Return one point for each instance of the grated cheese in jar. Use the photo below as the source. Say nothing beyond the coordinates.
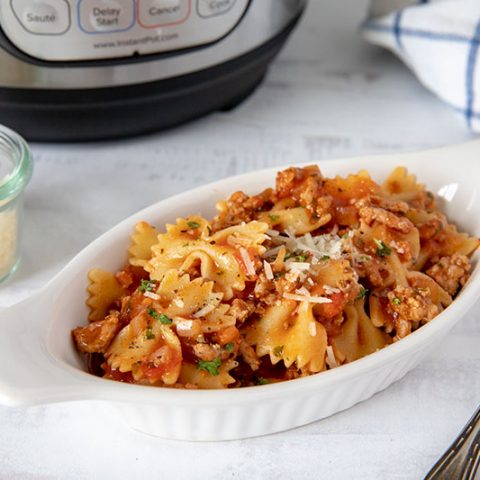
(8, 240)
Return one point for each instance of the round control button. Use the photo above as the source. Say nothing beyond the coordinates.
(211, 8)
(105, 16)
(45, 17)
(157, 13)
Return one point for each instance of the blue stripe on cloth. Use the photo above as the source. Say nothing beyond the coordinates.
(397, 29)
(418, 33)
(470, 74)
(468, 112)
(461, 110)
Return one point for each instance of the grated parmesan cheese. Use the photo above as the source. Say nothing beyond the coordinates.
(306, 298)
(247, 261)
(329, 290)
(8, 240)
(151, 295)
(204, 311)
(327, 245)
(331, 360)
(183, 324)
(272, 251)
(268, 270)
(297, 266)
(179, 302)
(302, 291)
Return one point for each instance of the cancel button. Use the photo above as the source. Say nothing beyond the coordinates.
(156, 13)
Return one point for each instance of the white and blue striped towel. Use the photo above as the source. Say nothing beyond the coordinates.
(439, 40)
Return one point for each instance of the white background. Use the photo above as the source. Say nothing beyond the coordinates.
(327, 95)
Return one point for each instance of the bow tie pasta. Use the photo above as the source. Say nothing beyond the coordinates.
(298, 279)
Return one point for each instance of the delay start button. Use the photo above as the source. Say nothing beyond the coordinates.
(211, 8)
(159, 13)
(106, 16)
(44, 17)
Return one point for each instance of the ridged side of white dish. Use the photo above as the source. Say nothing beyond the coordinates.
(261, 418)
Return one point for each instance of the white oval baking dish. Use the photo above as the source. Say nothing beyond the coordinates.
(39, 364)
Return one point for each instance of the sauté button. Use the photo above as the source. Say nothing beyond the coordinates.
(45, 17)
(211, 8)
(156, 13)
(104, 16)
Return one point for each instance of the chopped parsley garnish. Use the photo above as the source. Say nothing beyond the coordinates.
(260, 381)
(146, 286)
(396, 301)
(161, 317)
(210, 366)
(149, 334)
(164, 319)
(229, 347)
(278, 274)
(383, 250)
(362, 294)
(278, 350)
(298, 255)
(302, 257)
(273, 218)
(193, 224)
(325, 257)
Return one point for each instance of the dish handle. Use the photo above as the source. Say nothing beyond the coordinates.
(29, 373)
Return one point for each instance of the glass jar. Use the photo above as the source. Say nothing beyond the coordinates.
(15, 173)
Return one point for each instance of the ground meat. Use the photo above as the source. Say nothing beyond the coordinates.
(124, 278)
(371, 269)
(227, 335)
(263, 286)
(402, 247)
(451, 272)
(96, 337)
(433, 227)
(241, 208)
(423, 200)
(369, 214)
(408, 306)
(249, 355)
(204, 351)
(240, 310)
(395, 206)
(305, 187)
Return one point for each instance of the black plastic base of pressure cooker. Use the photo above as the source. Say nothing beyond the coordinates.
(94, 114)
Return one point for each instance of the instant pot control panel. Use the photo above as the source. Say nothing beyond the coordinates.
(73, 30)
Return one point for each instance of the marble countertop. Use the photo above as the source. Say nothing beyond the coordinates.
(327, 95)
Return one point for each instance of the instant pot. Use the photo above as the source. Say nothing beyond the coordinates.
(90, 69)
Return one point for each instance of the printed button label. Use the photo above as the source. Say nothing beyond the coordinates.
(48, 17)
(211, 8)
(156, 13)
(103, 16)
